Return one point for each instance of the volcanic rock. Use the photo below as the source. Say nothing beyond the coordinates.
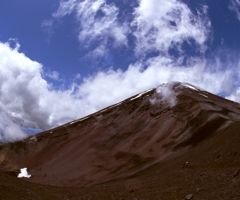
(133, 148)
(189, 197)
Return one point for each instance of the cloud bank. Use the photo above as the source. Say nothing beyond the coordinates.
(155, 29)
(27, 98)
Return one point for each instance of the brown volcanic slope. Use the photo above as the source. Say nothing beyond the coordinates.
(133, 149)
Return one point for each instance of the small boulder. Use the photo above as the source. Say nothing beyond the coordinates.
(188, 197)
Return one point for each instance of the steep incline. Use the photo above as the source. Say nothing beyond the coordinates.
(123, 139)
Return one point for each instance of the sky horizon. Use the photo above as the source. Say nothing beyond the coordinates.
(64, 59)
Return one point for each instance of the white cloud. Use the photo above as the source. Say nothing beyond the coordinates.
(235, 96)
(97, 21)
(158, 25)
(97, 54)
(164, 24)
(65, 8)
(165, 94)
(135, 79)
(53, 75)
(24, 94)
(234, 5)
(8, 129)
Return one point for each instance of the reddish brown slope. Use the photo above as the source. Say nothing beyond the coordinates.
(131, 138)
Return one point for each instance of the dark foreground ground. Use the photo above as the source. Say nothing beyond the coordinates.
(213, 173)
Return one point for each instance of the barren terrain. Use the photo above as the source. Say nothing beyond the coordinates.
(133, 149)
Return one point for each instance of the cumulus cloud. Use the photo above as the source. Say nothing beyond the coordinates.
(24, 94)
(9, 130)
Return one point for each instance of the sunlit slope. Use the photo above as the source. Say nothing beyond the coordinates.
(123, 139)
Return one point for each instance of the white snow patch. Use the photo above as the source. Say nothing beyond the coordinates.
(33, 139)
(140, 94)
(82, 119)
(190, 86)
(110, 107)
(24, 173)
(136, 97)
(115, 105)
(105, 109)
(204, 95)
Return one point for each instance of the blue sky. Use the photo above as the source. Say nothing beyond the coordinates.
(61, 60)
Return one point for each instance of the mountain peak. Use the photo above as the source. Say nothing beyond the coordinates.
(124, 139)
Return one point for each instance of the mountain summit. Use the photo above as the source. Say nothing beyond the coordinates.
(146, 135)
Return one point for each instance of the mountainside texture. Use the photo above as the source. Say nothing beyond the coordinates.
(133, 149)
